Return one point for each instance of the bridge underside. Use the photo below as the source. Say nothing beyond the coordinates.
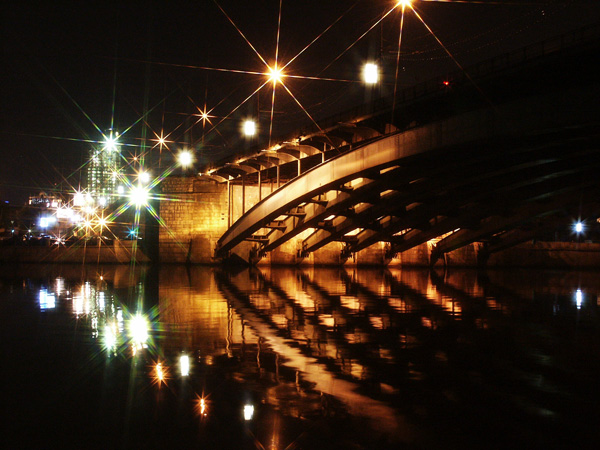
(502, 193)
(499, 174)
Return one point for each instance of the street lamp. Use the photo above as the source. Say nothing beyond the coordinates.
(371, 73)
(144, 177)
(249, 128)
(185, 158)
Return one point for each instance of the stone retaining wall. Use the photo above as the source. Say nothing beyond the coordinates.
(197, 212)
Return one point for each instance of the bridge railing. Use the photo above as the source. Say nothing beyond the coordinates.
(479, 70)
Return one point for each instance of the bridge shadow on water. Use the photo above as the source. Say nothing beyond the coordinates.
(345, 358)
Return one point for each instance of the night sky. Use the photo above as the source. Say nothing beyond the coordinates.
(73, 70)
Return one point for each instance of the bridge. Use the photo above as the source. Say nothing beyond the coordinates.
(503, 152)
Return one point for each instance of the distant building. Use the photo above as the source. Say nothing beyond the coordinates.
(103, 169)
(43, 200)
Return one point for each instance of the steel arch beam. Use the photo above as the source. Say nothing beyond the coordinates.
(446, 191)
(515, 118)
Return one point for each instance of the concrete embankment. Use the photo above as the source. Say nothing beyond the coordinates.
(120, 252)
(531, 254)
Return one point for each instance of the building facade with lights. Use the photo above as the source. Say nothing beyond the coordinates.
(102, 171)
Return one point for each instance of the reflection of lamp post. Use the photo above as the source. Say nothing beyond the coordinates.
(184, 365)
(578, 298)
(248, 412)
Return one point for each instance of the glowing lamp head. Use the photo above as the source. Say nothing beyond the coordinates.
(275, 74)
(371, 73)
(78, 199)
(578, 227)
(404, 3)
(144, 177)
(139, 195)
(249, 128)
(185, 159)
(110, 143)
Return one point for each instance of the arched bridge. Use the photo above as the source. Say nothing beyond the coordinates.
(499, 156)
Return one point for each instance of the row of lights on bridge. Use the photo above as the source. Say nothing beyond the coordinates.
(370, 76)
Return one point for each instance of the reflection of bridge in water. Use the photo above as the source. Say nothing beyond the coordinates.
(502, 156)
(398, 346)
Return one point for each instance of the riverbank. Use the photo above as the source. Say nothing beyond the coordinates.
(119, 252)
(551, 255)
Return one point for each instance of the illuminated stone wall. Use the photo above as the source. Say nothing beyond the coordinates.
(195, 216)
(197, 213)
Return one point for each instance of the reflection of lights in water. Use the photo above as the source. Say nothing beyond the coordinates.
(279, 320)
(579, 298)
(376, 322)
(160, 373)
(350, 302)
(78, 300)
(399, 305)
(120, 321)
(184, 365)
(138, 330)
(47, 300)
(101, 302)
(248, 412)
(110, 337)
(60, 286)
(201, 406)
(327, 320)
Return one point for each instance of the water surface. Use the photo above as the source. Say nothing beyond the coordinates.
(121, 357)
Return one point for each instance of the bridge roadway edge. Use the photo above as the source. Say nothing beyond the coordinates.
(570, 107)
(482, 125)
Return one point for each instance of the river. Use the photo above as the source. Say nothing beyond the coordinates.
(298, 358)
